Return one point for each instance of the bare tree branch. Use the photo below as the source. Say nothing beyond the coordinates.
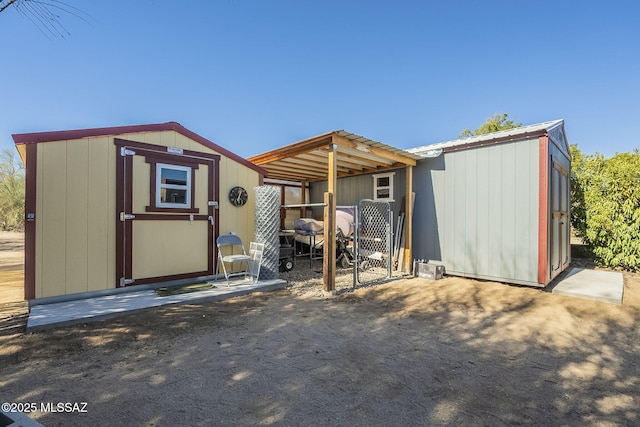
(44, 14)
(6, 4)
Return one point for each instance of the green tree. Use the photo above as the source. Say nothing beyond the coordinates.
(495, 123)
(605, 204)
(578, 208)
(11, 192)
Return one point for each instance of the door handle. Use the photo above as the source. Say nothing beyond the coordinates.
(126, 216)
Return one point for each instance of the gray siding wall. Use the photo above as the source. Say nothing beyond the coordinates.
(559, 156)
(476, 211)
(350, 190)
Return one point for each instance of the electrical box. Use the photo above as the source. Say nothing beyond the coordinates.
(428, 271)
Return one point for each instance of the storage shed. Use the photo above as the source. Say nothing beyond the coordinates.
(496, 206)
(113, 207)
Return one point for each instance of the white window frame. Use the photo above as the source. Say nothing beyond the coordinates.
(377, 187)
(160, 185)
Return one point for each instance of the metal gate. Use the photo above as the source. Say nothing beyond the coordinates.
(373, 241)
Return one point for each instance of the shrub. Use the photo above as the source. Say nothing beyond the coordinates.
(606, 206)
(11, 192)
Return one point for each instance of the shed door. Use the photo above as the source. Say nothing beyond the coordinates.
(166, 222)
(560, 219)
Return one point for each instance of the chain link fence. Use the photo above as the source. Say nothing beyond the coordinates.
(267, 224)
(373, 241)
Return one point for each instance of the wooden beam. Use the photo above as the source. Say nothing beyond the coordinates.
(329, 252)
(349, 158)
(292, 166)
(376, 151)
(303, 199)
(332, 169)
(543, 211)
(358, 158)
(408, 219)
(328, 248)
(344, 160)
(306, 160)
(291, 150)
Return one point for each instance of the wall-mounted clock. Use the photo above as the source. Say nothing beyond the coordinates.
(238, 196)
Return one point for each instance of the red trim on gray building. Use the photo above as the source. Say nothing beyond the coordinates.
(543, 212)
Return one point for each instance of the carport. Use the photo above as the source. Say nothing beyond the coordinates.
(331, 156)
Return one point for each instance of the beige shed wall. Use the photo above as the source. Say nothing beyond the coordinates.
(75, 208)
(240, 220)
(75, 231)
(156, 255)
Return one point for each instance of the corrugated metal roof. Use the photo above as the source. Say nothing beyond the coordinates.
(307, 160)
(372, 143)
(489, 138)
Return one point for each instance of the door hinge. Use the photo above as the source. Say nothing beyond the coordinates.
(124, 151)
(125, 282)
(126, 216)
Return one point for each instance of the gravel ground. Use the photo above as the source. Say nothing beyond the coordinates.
(405, 353)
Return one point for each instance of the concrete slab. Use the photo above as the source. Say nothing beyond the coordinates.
(17, 419)
(597, 285)
(109, 306)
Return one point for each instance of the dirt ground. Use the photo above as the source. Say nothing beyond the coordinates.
(409, 352)
(13, 308)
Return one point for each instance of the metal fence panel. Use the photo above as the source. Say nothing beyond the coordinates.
(373, 241)
(267, 228)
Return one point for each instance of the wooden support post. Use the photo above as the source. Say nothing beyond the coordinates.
(408, 220)
(283, 211)
(329, 251)
(303, 199)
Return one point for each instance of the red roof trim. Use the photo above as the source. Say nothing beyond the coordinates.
(496, 141)
(38, 137)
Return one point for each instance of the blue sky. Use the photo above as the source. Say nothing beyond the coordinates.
(254, 75)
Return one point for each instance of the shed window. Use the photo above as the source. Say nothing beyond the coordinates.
(173, 186)
(383, 186)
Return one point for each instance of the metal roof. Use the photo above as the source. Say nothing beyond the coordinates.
(490, 138)
(307, 160)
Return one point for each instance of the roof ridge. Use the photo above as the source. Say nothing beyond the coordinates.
(513, 132)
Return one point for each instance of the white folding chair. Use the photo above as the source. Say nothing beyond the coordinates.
(231, 251)
(255, 252)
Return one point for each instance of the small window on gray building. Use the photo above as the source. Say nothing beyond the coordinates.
(383, 187)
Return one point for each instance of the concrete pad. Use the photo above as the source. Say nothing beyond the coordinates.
(597, 285)
(109, 306)
(17, 419)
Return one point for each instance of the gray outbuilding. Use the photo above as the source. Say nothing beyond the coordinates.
(496, 206)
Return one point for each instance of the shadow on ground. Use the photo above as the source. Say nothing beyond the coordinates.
(411, 352)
